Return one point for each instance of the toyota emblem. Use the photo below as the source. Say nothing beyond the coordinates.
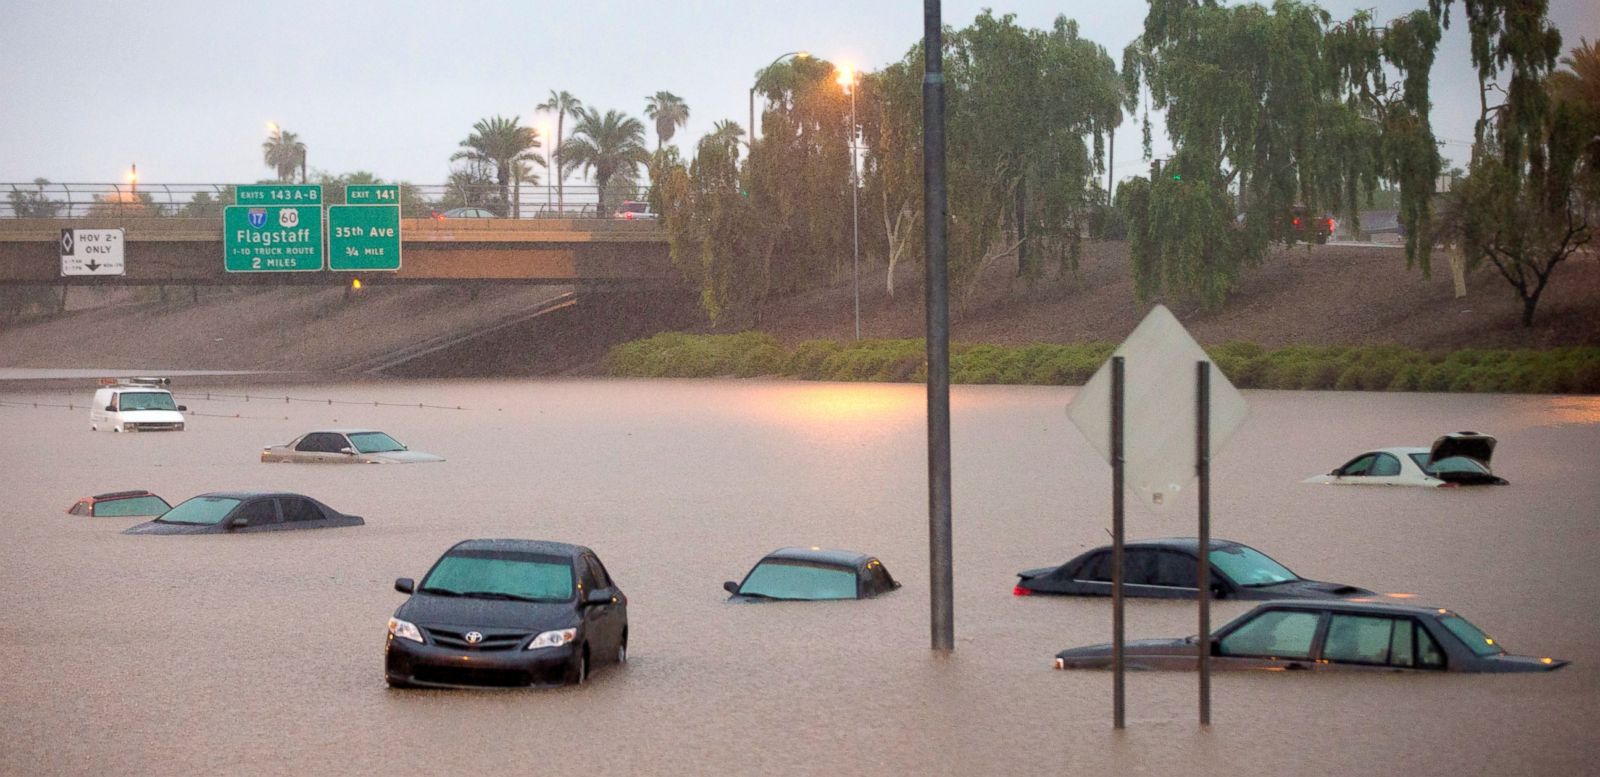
(474, 637)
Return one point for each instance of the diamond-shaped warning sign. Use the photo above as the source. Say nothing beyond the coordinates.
(1158, 409)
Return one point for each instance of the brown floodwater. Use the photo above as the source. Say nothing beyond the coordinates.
(262, 653)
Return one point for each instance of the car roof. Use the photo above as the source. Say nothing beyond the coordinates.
(544, 547)
(120, 495)
(842, 558)
(248, 494)
(1400, 450)
(341, 431)
(1365, 604)
(1189, 544)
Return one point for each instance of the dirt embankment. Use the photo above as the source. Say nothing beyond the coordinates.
(1325, 295)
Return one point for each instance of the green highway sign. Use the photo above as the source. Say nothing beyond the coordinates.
(372, 194)
(278, 194)
(272, 238)
(363, 237)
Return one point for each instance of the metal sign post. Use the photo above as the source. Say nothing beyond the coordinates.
(1202, 467)
(1117, 378)
(941, 588)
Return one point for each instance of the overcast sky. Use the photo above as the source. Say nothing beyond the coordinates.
(186, 89)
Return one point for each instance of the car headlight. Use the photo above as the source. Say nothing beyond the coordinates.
(553, 639)
(404, 630)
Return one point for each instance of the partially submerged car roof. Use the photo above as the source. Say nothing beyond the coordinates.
(1479, 447)
(832, 557)
(1366, 604)
(542, 547)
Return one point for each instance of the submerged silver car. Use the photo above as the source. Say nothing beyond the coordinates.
(345, 446)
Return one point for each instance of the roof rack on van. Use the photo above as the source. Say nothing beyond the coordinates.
(136, 381)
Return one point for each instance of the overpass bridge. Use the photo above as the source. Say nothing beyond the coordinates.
(189, 251)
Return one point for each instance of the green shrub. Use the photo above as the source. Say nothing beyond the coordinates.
(806, 361)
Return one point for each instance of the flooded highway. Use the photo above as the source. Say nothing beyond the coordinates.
(262, 653)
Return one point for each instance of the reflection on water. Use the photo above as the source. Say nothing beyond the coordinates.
(262, 653)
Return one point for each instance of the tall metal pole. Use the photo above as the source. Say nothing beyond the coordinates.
(1202, 466)
(855, 210)
(1117, 377)
(941, 589)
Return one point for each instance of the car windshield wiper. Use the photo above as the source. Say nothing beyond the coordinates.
(183, 523)
(754, 595)
(1274, 582)
(428, 589)
(502, 595)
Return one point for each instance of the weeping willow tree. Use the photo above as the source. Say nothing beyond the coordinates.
(1271, 110)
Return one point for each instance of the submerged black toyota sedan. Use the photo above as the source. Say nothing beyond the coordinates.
(507, 613)
(245, 511)
(1168, 569)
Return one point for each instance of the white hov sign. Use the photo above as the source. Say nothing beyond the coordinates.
(1158, 409)
(91, 252)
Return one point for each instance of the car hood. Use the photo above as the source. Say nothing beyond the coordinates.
(399, 457)
(152, 416)
(430, 610)
(1302, 589)
(1469, 444)
(1509, 663)
(161, 527)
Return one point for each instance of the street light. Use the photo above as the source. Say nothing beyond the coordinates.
(752, 128)
(847, 79)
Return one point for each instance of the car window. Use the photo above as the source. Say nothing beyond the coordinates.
(1475, 639)
(1176, 570)
(298, 509)
(1273, 633)
(1449, 464)
(798, 580)
(503, 572)
(589, 579)
(1359, 465)
(375, 442)
(1096, 568)
(1384, 465)
(261, 512)
(1361, 639)
(1249, 567)
(320, 442)
(81, 508)
(200, 510)
(1139, 567)
(146, 400)
(1429, 656)
(137, 505)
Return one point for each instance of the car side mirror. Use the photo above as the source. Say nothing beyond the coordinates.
(1337, 471)
(596, 596)
(1219, 591)
(731, 587)
(238, 523)
(183, 408)
(405, 585)
(111, 408)
(348, 451)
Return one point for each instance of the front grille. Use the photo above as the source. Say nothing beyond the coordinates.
(154, 427)
(492, 640)
(451, 675)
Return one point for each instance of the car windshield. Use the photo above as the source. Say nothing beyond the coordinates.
(375, 442)
(136, 505)
(799, 580)
(204, 510)
(145, 400)
(501, 574)
(1250, 567)
(1476, 640)
(1449, 465)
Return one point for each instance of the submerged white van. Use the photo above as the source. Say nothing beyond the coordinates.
(135, 405)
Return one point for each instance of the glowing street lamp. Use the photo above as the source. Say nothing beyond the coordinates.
(847, 79)
(751, 138)
(133, 177)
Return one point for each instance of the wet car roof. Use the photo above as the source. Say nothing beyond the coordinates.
(1360, 604)
(1180, 543)
(524, 546)
(247, 494)
(842, 558)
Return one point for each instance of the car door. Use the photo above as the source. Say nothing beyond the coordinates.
(319, 447)
(300, 513)
(604, 620)
(1370, 469)
(261, 513)
(1379, 643)
(1270, 638)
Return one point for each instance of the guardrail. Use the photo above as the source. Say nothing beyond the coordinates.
(206, 200)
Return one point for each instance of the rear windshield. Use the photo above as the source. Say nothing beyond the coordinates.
(634, 207)
(1479, 642)
(137, 505)
(799, 580)
(522, 575)
(375, 442)
(204, 510)
(145, 400)
(1250, 567)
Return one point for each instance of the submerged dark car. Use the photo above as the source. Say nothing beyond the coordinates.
(120, 504)
(1360, 635)
(1167, 569)
(812, 574)
(227, 512)
(507, 613)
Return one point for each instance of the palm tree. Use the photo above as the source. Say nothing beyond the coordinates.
(283, 151)
(610, 146)
(1579, 87)
(728, 132)
(503, 144)
(669, 112)
(561, 103)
